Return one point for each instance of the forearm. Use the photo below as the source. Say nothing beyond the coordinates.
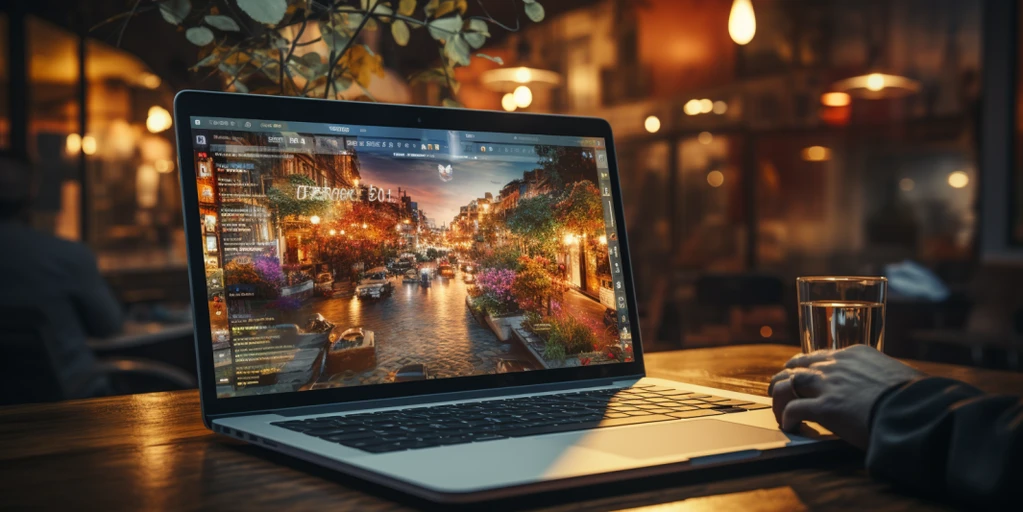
(940, 434)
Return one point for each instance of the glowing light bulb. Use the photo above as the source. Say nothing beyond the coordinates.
(315, 219)
(907, 184)
(706, 106)
(875, 82)
(835, 99)
(958, 179)
(705, 137)
(523, 96)
(742, 23)
(715, 178)
(816, 154)
(158, 119)
(508, 102)
(523, 75)
(73, 144)
(692, 107)
(89, 145)
(720, 107)
(652, 124)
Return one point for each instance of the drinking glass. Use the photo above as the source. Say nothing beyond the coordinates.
(839, 311)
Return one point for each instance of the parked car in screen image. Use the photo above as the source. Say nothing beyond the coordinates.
(325, 283)
(513, 366)
(446, 271)
(374, 285)
(411, 372)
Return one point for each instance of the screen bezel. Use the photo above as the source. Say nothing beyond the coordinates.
(216, 104)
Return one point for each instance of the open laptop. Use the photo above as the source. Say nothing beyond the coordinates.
(436, 300)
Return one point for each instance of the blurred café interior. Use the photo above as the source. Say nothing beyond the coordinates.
(830, 137)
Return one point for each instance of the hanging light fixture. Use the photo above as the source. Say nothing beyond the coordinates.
(742, 23)
(513, 79)
(877, 86)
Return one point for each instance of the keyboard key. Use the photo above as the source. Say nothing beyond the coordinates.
(756, 407)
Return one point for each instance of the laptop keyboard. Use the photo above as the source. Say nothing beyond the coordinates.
(427, 427)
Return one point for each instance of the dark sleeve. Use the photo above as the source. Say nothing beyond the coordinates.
(100, 311)
(940, 435)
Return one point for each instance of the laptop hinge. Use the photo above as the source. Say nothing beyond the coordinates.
(436, 397)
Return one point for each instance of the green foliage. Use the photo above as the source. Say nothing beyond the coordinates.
(284, 200)
(265, 43)
(534, 222)
(531, 318)
(554, 351)
(535, 287)
(574, 335)
(581, 211)
(501, 257)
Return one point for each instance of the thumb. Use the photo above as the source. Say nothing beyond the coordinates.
(798, 411)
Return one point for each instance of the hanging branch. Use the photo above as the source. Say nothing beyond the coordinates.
(243, 36)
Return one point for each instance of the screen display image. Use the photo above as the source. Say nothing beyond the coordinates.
(356, 255)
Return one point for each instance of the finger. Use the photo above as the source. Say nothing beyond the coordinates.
(781, 397)
(778, 377)
(807, 383)
(805, 360)
(798, 411)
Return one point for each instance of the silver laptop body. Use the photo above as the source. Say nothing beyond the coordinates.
(439, 301)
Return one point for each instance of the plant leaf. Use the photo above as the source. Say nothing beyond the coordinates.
(222, 22)
(268, 12)
(477, 25)
(498, 60)
(312, 59)
(431, 7)
(175, 11)
(450, 103)
(207, 60)
(435, 75)
(534, 11)
(444, 28)
(335, 39)
(199, 36)
(406, 7)
(477, 33)
(457, 49)
(240, 87)
(400, 32)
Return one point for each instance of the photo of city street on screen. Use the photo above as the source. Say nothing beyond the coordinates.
(342, 261)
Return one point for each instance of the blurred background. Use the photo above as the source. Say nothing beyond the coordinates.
(757, 141)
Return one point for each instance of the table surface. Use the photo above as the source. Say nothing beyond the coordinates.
(152, 452)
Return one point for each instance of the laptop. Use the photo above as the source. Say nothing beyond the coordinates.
(436, 300)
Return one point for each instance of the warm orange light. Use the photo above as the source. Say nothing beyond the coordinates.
(835, 99)
(73, 144)
(314, 220)
(715, 178)
(766, 331)
(652, 124)
(705, 137)
(816, 154)
(742, 22)
(958, 179)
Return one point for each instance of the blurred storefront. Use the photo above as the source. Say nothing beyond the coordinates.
(841, 137)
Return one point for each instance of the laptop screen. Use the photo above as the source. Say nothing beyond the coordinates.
(343, 255)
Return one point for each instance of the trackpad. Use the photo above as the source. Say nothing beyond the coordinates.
(676, 438)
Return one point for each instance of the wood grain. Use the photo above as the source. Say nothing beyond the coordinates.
(151, 452)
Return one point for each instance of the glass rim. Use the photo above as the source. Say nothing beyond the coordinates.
(841, 279)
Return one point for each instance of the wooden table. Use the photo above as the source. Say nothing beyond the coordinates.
(151, 452)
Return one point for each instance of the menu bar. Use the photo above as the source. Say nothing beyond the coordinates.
(451, 136)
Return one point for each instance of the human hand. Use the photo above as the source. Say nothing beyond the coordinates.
(836, 388)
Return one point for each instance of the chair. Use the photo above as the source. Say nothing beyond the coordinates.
(31, 374)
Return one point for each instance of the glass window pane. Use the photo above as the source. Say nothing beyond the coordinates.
(5, 84)
(53, 126)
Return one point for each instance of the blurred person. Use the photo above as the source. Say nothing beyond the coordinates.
(58, 276)
(927, 434)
